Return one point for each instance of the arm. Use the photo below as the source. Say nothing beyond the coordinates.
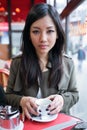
(15, 94)
(67, 94)
(13, 97)
(71, 96)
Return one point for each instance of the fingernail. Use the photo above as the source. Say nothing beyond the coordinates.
(49, 106)
(39, 114)
(47, 109)
(39, 110)
(30, 119)
(48, 113)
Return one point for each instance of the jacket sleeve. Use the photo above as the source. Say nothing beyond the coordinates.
(70, 94)
(13, 97)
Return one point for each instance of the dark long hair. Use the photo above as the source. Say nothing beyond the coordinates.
(30, 68)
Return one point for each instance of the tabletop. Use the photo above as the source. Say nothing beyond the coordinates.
(62, 122)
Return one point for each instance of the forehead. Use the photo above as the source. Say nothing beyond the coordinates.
(45, 21)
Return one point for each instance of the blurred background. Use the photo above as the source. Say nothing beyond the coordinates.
(73, 14)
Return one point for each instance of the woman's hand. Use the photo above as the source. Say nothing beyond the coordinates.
(28, 107)
(57, 103)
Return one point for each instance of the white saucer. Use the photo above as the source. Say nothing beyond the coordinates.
(20, 127)
(46, 119)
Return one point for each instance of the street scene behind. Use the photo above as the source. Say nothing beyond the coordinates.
(80, 109)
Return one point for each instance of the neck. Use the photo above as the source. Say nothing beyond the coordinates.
(43, 63)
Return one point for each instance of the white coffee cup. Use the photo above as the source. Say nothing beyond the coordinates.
(43, 105)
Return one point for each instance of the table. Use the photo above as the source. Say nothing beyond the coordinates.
(62, 122)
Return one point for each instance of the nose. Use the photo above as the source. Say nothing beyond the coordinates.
(43, 37)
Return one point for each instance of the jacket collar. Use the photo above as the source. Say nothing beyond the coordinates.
(49, 65)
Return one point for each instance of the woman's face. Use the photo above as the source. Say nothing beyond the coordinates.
(43, 35)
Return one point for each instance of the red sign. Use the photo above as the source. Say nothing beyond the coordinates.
(3, 26)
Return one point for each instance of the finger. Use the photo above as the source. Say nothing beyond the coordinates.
(51, 97)
(33, 103)
(23, 116)
(53, 105)
(55, 111)
(27, 113)
(32, 107)
(32, 110)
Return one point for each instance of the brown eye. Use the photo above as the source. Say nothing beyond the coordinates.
(36, 32)
(50, 31)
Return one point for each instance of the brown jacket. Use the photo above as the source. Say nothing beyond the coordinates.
(66, 87)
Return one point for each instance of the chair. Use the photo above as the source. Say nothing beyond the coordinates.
(4, 74)
(5, 64)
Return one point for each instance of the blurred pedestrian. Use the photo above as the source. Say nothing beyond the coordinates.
(81, 57)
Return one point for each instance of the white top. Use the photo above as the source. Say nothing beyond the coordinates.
(39, 95)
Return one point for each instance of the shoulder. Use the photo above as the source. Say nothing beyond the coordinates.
(18, 56)
(68, 60)
(67, 57)
(16, 60)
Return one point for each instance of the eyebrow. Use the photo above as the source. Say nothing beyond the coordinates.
(47, 27)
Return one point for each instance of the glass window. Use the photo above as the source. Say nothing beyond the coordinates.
(78, 48)
(16, 36)
(78, 28)
(60, 4)
(3, 23)
(16, 40)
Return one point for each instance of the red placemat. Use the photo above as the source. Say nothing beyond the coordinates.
(33, 125)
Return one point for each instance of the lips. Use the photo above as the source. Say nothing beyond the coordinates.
(43, 46)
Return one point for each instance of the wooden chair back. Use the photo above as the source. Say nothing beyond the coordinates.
(4, 75)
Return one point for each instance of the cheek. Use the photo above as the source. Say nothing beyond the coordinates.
(34, 40)
(52, 41)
